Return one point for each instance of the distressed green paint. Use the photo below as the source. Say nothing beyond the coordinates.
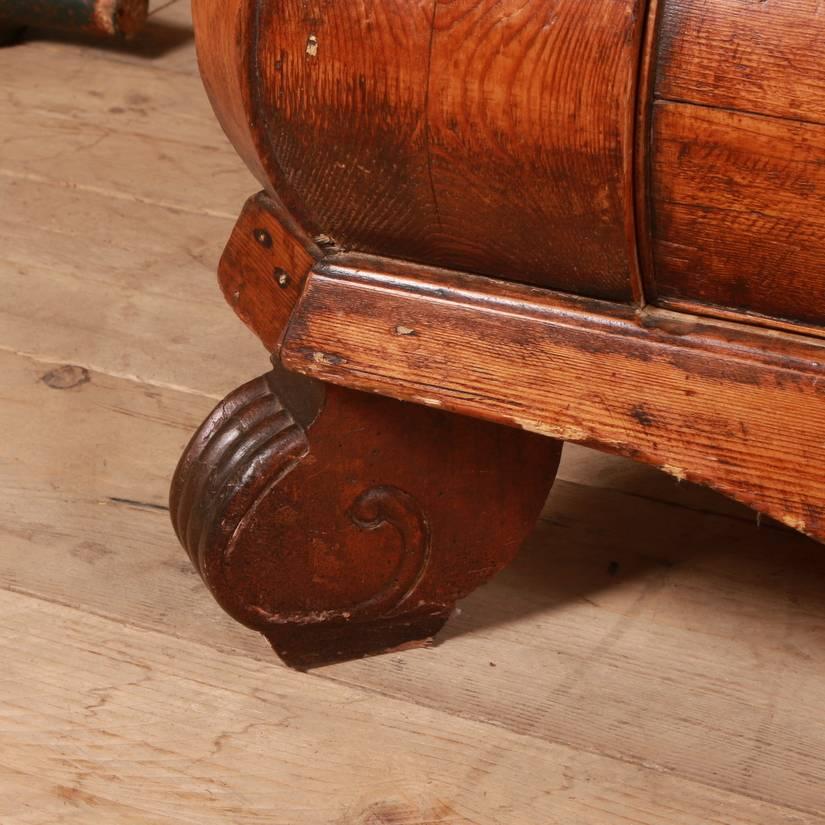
(99, 16)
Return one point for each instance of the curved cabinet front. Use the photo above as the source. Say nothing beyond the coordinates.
(667, 151)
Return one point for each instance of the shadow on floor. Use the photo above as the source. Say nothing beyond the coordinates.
(157, 39)
(616, 547)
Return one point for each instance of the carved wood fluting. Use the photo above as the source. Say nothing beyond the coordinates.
(339, 523)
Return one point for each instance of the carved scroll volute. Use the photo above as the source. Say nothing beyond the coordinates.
(280, 538)
(350, 564)
(389, 507)
(350, 509)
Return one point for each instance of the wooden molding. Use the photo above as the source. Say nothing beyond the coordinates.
(738, 409)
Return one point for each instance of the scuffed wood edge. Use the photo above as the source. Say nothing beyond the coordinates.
(736, 409)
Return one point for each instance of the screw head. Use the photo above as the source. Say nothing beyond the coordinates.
(263, 237)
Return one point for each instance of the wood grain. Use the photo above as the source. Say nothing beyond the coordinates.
(736, 182)
(233, 746)
(341, 524)
(264, 266)
(148, 262)
(517, 356)
(739, 205)
(762, 57)
(340, 103)
(666, 674)
(530, 123)
(634, 656)
(490, 137)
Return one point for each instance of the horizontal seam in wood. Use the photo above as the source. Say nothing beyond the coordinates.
(747, 112)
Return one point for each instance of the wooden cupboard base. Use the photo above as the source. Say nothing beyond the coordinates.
(334, 507)
(339, 523)
(736, 408)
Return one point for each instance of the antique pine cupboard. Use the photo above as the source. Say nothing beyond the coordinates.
(488, 227)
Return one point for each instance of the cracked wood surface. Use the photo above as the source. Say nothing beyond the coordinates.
(638, 663)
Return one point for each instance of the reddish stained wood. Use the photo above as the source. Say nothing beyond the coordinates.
(764, 57)
(340, 524)
(530, 121)
(263, 267)
(737, 185)
(581, 371)
(490, 136)
(494, 137)
(340, 104)
(739, 206)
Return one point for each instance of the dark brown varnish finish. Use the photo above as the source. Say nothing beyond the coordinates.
(335, 522)
(339, 523)
(604, 163)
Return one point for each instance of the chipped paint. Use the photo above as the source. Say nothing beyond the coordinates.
(312, 46)
(399, 330)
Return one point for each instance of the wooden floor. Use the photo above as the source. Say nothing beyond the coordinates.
(654, 656)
